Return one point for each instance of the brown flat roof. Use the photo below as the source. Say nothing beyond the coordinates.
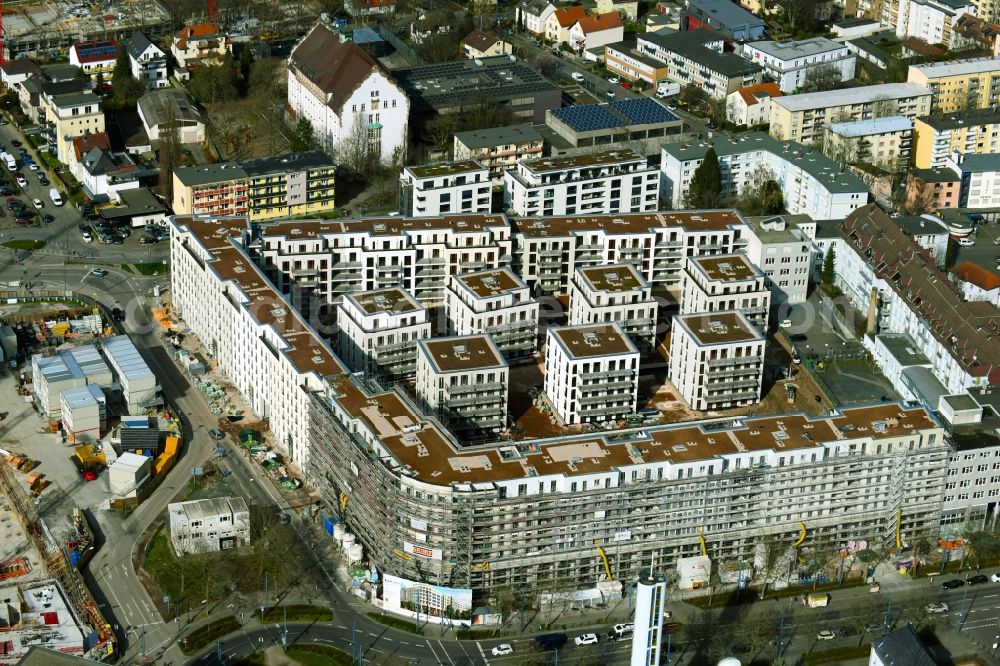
(486, 284)
(613, 277)
(593, 340)
(728, 267)
(546, 164)
(714, 328)
(393, 300)
(632, 223)
(393, 224)
(462, 352)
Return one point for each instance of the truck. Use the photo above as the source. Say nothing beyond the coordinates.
(818, 600)
(55, 196)
(9, 159)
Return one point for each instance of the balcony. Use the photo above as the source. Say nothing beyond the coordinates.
(605, 411)
(739, 383)
(479, 389)
(737, 360)
(609, 374)
(731, 397)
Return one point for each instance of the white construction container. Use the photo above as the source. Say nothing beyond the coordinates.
(91, 364)
(50, 376)
(138, 383)
(84, 413)
(128, 473)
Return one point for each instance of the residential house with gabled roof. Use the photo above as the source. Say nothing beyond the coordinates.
(479, 44)
(533, 15)
(979, 283)
(341, 90)
(751, 105)
(595, 31)
(104, 174)
(148, 61)
(95, 58)
(16, 71)
(559, 22)
(198, 44)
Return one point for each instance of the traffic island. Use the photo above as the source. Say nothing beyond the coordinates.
(208, 633)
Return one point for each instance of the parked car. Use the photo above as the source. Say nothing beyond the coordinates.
(146, 240)
(952, 584)
(785, 323)
(21, 181)
(87, 238)
(22, 222)
(16, 143)
(798, 337)
(577, 76)
(33, 166)
(978, 580)
(826, 635)
(501, 650)
(995, 577)
(38, 203)
(118, 314)
(613, 79)
(48, 218)
(586, 639)
(966, 242)
(936, 608)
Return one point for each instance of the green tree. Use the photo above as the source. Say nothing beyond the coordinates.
(705, 190)
(828, 266)
(126, 88)
(170, 150)
(303, 137)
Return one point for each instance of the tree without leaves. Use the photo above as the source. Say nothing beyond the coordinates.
(211, 84)
(824, 77)
(762, 194)
(352, 152)
(170, 150)
(692, 95)
(799, 14)
(705, 190)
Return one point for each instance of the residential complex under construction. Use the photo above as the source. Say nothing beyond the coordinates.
(571, 509)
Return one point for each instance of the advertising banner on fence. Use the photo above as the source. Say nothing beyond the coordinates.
(433, 602)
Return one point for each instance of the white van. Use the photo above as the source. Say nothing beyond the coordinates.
(667, 89)
(55, 196)
(577, 76)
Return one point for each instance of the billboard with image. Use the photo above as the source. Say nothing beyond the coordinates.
(433, 602)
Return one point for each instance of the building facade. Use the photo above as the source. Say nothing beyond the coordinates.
(263, 189)
(789, 63)
(498, 148)
(67, 116)
(936, 138)
(147, 60)
(378, 332)
(725, 282)
(933, 21)
(802, 117)
(199, 44)
(349, 99)
(591, 373)
(752, 105)
(699, 57)
(95, 58)
(209, 525)
(615, 181)
(980, 179)
(811, 184)
(433, 190)
(496, 302)
(615, 293)
(960, 85)
(783, 251)
(463, 381)
(882, 142)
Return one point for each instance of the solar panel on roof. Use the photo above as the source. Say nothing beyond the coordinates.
(589, 118)
(643, 111)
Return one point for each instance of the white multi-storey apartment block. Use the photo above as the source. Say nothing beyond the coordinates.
(972, 486)
(445, 188)
(547, 252)
(346, 96)
(885, 464)
(716, 359)
(784, 252)
(462, 380)
(378, 332)
(615, 293)
(933, 21)
(591, 373)
(725, 282)
(496, 302)
(980, 176)
(209, 525)
(789, 63)
(614, 181)
(811, 183)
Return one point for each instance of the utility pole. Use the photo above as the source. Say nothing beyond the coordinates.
(142, 644)
(670, 637)
(965, 609)
(781, 636)
(887, 618)
(218, 651)
(284, 635)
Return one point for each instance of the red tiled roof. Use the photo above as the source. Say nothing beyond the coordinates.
(570, 15)
(599, 22)
(750, 94)
(479, 40)
(198, 30)
(337, 68)
(983, 278)
(84, 144)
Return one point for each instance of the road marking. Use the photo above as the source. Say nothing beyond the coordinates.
(434, 652)
(445, 651)
(482, 652)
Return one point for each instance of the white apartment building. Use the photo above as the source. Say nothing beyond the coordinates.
(876, 257)
(783, 250)
(811, 183)
(614, 181)
(716, 359)
(463, 381)
(209, 525)
(548, 251)
(980, 176)
(591, 373)
(446, 187)
(972, 486)
(933, 21)
(760, 474)
(615, 293)
(496, 302)
(147, 61)
(343, 92)
(378, 332)
(802, 117)
(533, 15)
(789, 63)
(725, 282)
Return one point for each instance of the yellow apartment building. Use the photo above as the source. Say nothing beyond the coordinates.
(935, 138)
(960, 85)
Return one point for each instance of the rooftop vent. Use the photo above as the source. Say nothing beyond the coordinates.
(717, 327)
(461, 350)
(591, 339)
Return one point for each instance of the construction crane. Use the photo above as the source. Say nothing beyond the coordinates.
(3, 38)
(213, 10)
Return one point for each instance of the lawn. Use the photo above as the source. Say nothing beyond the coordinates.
(299, 614)
(394, 622)
(25, 244)
(202, 636)
(306, 655)
(151, 268)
